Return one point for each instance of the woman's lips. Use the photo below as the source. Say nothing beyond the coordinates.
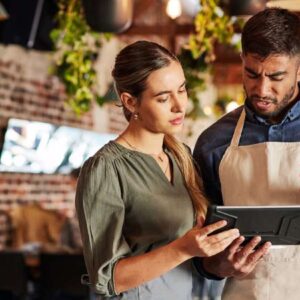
(177, 121)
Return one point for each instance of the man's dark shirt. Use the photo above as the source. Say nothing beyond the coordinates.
(213, 142)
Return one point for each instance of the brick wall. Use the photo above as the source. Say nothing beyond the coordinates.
(27, 91)
(51, 191)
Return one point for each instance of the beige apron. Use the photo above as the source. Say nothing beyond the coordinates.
(263, 174)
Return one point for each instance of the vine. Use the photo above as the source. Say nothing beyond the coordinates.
(212, 25)
(77, 47)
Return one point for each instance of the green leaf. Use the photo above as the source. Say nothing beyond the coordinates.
(75, 66)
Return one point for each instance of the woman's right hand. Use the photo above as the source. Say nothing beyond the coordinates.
(200, 242)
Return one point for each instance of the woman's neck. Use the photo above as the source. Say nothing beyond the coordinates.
(141, 139)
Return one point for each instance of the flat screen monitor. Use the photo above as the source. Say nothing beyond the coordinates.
(38, 147)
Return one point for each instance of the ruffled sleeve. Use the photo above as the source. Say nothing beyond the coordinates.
(101, 212)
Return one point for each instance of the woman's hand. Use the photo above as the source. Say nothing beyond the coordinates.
(199, 242)
(135, 270)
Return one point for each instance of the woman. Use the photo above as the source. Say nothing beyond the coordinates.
(138, 198)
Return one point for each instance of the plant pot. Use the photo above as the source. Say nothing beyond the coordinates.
(246, 7)
(108, 15)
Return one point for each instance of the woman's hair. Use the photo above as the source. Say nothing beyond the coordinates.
(272, 31)
(192, 179)
(133, 66)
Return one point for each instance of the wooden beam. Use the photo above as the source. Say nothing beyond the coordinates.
(140, 7)
(159, 29)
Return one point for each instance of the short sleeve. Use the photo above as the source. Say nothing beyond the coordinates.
(101, 211)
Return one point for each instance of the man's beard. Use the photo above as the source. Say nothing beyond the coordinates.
(280, 105)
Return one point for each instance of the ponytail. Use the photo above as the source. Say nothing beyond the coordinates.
(192, 179)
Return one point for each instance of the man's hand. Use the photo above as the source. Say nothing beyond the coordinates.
(236, 261)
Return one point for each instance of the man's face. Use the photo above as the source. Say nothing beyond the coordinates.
(271, 83)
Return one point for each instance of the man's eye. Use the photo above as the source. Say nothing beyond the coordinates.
(252, 76)
(183, 90)
(276, 78)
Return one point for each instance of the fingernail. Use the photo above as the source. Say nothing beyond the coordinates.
(268, 244)
(236, 232)
(257, 239)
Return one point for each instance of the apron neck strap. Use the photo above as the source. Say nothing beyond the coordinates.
(238, 129)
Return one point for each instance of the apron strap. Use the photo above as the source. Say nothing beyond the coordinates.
(238, 130)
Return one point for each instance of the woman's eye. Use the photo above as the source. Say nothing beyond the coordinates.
(183, 90)
(162, 100)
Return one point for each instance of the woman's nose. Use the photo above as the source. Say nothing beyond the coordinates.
(179, 104)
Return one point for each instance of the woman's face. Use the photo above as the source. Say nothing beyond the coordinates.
(163, 104)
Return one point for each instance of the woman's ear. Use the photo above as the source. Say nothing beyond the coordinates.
(129, 102)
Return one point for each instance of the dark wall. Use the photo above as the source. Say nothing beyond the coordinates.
(16, 29)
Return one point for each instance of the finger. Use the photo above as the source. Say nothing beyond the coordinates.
(212, 227)
(231, 233)
(241, 256)
(253, 259)
(221, 244)
(236, 245)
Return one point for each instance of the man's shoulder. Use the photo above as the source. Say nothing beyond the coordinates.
(219, 133)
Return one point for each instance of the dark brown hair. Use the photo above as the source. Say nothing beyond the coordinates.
(135, 63)
(272, 31)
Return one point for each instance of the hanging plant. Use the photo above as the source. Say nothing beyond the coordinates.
(211, 25)
(194, 70)
(76, 48)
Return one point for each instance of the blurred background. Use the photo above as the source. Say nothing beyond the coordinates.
(50, 121)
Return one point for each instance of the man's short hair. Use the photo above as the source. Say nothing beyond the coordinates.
(272, 31)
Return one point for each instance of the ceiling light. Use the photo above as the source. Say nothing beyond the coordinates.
(190, 8)
(174, 9)
(3, 13)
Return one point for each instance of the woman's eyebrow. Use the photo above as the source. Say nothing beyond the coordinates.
(167, 91)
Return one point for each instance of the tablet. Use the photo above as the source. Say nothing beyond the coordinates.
(278, 224)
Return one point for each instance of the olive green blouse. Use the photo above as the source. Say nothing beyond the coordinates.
(126, 206)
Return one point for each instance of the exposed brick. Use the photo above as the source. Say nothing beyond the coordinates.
(40, 97)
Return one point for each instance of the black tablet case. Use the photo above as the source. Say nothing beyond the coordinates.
(278, 224)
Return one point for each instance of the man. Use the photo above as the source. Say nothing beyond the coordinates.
(252, 156)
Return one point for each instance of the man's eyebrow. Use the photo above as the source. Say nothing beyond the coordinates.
(251, 71)
(278, 73)
(166, 91)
